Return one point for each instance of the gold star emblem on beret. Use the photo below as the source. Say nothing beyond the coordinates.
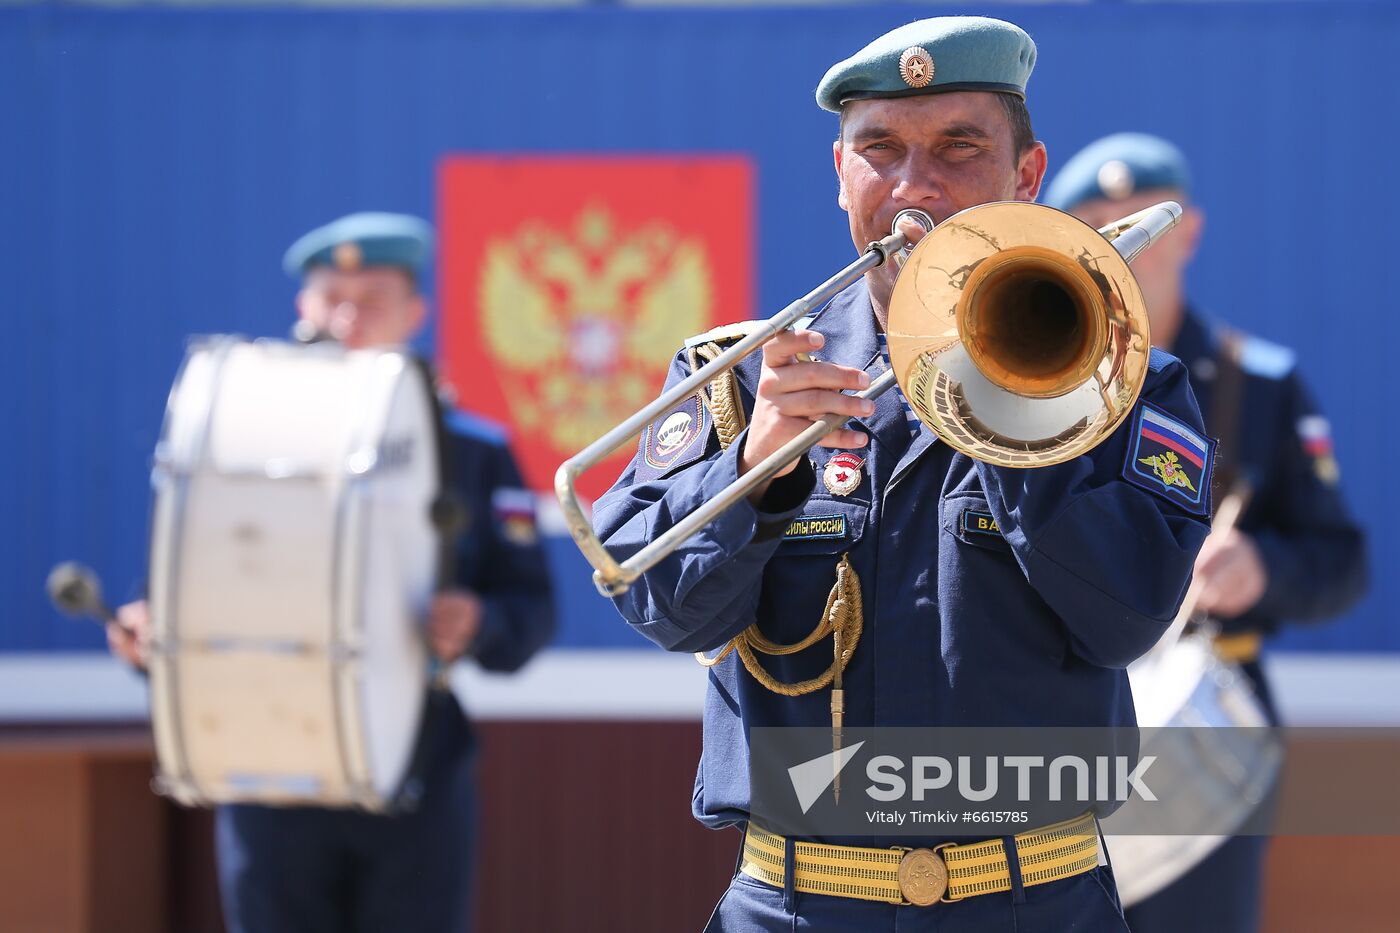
(916, 67)
(347, 256)
(1116, 180)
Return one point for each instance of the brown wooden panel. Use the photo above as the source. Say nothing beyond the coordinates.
(43, 820)
(1332, 883)
(83, 846)
(587, 827)
(126, 847)
(584, 827)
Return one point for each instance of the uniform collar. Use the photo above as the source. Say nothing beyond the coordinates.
(848, 323)
(1197, 345)
(1194, 339)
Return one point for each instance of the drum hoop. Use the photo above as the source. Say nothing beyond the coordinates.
(184, 785)
(348, 615)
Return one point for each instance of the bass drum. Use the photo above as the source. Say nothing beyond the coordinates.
(1216, 761)
(292, 560)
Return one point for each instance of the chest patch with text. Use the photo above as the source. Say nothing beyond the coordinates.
(816, 526)
(980, 523)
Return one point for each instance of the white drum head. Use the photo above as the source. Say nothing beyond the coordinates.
(1163, 681)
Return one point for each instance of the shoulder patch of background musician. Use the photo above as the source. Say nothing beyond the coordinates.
(1158, 360)
(1315, 436)
(678, 438)
(514, 512)
(1170, 459)
(1259, 357)
(474, 426)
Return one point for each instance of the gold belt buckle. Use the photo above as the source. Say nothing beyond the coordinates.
(923, 877)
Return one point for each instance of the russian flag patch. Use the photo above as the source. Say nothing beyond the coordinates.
(1170, 459)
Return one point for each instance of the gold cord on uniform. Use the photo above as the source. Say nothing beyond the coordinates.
(844, 616)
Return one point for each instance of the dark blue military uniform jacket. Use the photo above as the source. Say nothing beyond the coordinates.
(497, 556)
(1029, 626)
(1313, 550)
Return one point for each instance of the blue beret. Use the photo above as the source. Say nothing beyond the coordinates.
(359, 240)
(946, 53)
(1116, 167)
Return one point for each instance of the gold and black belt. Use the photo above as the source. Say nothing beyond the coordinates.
(924, 876)
(1241, 648)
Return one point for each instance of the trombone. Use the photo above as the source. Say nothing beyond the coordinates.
(1016, 332)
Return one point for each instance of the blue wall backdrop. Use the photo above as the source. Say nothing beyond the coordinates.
(154, 165)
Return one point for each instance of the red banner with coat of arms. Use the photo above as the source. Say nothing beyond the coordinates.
(569, 283)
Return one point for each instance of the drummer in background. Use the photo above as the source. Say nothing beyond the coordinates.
(1296, 553)
(315, 870)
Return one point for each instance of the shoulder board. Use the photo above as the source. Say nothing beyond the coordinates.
(474, 426)
(725, 333)
(1159, 360)
(1260, 357)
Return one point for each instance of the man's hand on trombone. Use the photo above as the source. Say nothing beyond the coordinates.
(793, 392)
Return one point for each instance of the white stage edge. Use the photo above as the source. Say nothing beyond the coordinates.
(1312, 689)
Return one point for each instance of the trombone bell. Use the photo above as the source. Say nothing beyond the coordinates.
(1018, 334)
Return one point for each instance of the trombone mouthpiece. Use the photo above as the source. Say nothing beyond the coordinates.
(919, 217)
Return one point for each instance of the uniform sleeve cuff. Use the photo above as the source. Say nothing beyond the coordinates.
(490, 631)
(783, 500)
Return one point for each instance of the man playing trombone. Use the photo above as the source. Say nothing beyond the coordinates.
(956, 592)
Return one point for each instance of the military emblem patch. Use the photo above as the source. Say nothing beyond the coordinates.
(1315, 433)
(676, 439)
(843, 474)
(515, 515)
(1170, 459)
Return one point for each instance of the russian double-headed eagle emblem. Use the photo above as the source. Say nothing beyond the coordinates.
(1168, 469)
(581, 320)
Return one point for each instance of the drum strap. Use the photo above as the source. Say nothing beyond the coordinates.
(1225, 411)
(1231, 478)
(451, 517)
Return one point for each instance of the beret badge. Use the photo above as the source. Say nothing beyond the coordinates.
(916, 67)
(1116, 179)
(347, 256)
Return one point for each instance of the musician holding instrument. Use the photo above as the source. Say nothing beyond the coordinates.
(311, 869)
(1295, 553)
(887, 577)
